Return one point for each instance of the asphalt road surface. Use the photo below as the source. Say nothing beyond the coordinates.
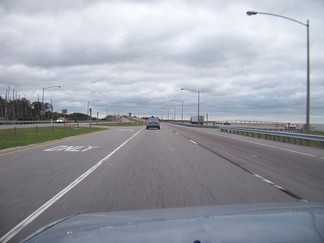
(133, 168)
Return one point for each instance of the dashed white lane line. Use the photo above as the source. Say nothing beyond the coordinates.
(276, 186)
(50, 202)
(193, 142)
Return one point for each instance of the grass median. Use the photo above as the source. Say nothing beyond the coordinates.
(24, 136)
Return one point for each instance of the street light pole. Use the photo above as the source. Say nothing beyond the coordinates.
(308, 83)
(197, 91)
(198, 103)
(250, 13)
(174, 111)
(181, 107)
(175, 118)
(88, 106)
(43, 106)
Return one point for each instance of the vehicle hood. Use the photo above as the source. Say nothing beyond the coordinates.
(283, 222)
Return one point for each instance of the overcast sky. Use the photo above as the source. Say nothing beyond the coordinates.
(135, 55)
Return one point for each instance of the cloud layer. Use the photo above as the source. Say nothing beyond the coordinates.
(134, 56)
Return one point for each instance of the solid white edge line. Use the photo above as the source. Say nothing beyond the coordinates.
(297, 152)
(50, 202)
(266, 145)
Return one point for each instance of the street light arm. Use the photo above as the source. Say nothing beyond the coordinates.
(198, 92)
(52, 87)
(250, 13)
(190, 90)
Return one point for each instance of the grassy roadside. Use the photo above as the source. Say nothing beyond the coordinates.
(25, 136)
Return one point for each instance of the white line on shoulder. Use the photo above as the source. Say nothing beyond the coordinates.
(266, 145)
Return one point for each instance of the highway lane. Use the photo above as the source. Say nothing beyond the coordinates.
(31, 177)
(155, 169)
(298, 169)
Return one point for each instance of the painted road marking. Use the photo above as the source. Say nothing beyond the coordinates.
(266, 145)
(44, 144)
(50, 202)
(277, 186)
(193, 141)
(125, 130)
(293, 151)
(70, 148)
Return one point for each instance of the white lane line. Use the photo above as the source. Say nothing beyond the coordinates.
(279, 187)
(193, 141)
(293, 151)
(240, 139)
(276, 186)
(266, 145)
(303, 200)
(50, 202)
(267, 181)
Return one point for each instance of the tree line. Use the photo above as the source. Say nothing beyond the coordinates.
(23, 109)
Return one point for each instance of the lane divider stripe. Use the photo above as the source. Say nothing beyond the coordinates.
(50, 202)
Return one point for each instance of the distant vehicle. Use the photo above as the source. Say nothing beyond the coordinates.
(153, 122)
(227, 123)
(196, 120)
(272, 222)
(61, 120)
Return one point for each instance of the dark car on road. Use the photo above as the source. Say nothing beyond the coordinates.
(153, 122)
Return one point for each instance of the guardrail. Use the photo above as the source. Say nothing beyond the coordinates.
(22, 122)
(276, 135)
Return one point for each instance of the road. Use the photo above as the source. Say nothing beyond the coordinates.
(133, 168)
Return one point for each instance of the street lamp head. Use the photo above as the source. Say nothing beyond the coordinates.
(250, 13)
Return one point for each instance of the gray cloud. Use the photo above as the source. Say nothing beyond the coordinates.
(136, 55)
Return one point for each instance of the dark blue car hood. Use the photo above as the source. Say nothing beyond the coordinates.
(292, 222)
